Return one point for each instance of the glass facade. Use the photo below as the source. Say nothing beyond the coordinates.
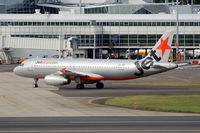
(27, 6)
(143, 40)
(98, 23)
(101, 39)
(121, 40)
(97, 10)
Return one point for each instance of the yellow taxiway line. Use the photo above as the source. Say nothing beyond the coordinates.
(91, 101)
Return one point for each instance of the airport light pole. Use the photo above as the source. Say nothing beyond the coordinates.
(94, 50)
(128, 44)
(93, 26)
(177, 30)
(80, 6)
(60, 46)
(59, 50)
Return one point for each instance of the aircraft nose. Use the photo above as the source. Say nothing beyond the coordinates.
(16, 70)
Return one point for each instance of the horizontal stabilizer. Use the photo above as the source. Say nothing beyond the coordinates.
(182, 64)
(158, 67)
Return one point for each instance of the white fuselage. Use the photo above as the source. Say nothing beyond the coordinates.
(105, 68)
(109, 69)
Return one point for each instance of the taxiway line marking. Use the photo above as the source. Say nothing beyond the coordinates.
(97, 98)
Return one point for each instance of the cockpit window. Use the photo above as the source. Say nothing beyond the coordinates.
(22, 64)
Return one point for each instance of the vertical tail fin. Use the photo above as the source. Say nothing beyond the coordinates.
(161, 50)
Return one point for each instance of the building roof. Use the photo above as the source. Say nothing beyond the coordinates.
(98, 17)
(136, 2)
(83, 1)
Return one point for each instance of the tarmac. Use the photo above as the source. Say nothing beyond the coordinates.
(100, 125)
(19, 99)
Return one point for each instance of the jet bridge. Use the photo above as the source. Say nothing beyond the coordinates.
(7, 43)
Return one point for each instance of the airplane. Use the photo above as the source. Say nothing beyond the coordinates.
(142, 51)
(58, 72)
(191, 53)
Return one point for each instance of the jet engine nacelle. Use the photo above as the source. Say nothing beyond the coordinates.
(56, 80)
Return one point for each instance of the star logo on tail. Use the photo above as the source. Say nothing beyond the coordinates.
(164, 46)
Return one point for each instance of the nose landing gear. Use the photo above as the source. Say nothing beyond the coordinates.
(35, 85)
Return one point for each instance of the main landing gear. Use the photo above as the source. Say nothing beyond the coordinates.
(99, 85)
(35, 85)
(80, 86)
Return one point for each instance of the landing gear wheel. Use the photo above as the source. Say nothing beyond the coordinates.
(68, 81)
(35, 85)
(99, 85)
(80, 86)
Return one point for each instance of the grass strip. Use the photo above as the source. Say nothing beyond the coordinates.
(175, 103)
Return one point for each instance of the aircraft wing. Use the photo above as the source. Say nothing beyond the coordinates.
(80, 74)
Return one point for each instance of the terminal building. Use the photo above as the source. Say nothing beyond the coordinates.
(107, 26)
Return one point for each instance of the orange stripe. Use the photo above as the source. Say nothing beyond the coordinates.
(118, 78)
(91, 78)
(97, 78)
